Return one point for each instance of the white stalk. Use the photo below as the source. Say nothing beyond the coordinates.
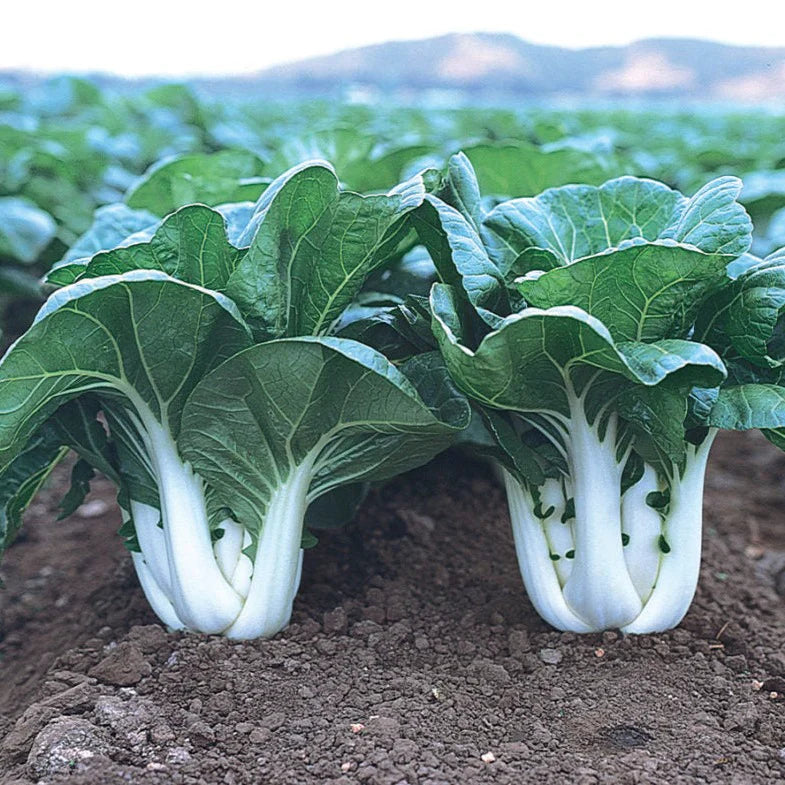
(158, 599)
(278, 563)
(228, 548)
(643, 525)
(599, 589)
(679, 568)
(152, 543)
(558, 534)
(243, 571)
(534, 560)
(202, 598)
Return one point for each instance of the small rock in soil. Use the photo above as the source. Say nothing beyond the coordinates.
(490, 671)
(18, 741)
(551, 656)
(274, 720)
(518, 641)
(63, 745)
(259, 735)
(149, 637)
(128, 719)
(161, 734)
(775, 684)
(201, 734)
(178, 755)
(125, 665)
(384, 726)
(335, 621)
(743, 716)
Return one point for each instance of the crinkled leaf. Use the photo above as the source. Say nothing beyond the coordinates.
(459, 255)
(747, 317)
(312, 247)
(190, 245)
(562, 225)
(207, 178)
(641, 293)
(747, 406)
(336, 402)
(143, 336)
(522, 365)
(461, 190)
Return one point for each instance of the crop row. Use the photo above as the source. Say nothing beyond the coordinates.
(243, 372)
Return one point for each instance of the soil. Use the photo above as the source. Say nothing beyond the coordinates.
(413, 657)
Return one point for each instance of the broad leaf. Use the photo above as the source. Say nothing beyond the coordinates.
(25, 230)
(190, 245)
(143, 336)
(312, 246)
(112, 226)
(331, 403)
(211, 179)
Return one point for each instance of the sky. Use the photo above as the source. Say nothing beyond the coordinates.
(175, 38)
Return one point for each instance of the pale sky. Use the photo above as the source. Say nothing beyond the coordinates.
(146, 37)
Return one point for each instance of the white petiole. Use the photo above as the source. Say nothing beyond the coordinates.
(632, 568)
(193, 583)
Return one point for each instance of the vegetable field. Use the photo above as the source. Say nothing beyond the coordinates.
(345, 443)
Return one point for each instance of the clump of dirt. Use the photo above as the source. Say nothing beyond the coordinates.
(413, 657)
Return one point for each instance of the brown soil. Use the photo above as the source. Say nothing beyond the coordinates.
(413, 657)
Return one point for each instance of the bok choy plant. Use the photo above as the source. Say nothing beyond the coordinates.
(569, 319)
(745, 322)
(194, 367)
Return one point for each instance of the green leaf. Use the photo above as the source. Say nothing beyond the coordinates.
(112, 225)
(190, 245)
(81, 475)
(516, 455)
(748, 406)
(337, 507)
(459, 255)
(76, 425)
(22, 478)
(566, 224)
(207, 178)
(462, 191)
(398, 332)
(143, 336)
(641, 293)
(312, 248)
(746, 317)
(280, 404)
(25, 230)
(520, 169)
(523, 365)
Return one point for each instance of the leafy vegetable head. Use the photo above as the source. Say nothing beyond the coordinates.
(219, 444)
(579, 353)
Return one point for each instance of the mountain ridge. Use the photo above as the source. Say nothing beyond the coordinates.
(502, 62)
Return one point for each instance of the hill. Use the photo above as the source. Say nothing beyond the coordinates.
(504, 64)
